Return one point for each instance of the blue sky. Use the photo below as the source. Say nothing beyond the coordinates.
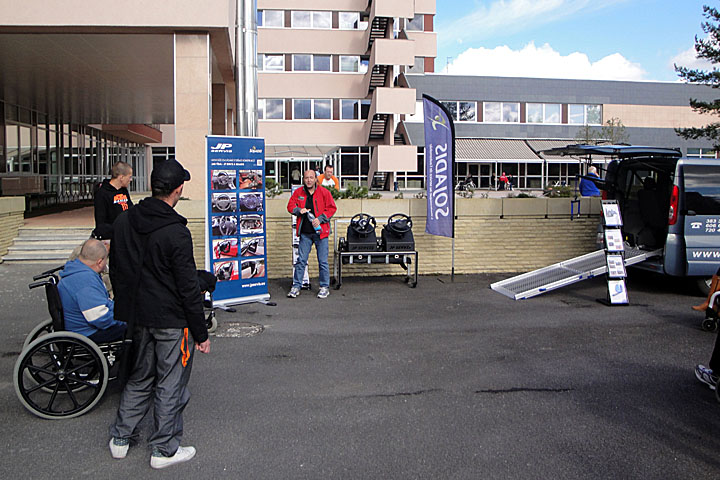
(598, 39)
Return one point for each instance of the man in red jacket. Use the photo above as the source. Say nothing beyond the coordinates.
(314, 206)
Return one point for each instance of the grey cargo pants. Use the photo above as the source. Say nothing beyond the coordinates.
(161, 370)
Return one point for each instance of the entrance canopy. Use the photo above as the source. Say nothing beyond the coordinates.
(299, 151)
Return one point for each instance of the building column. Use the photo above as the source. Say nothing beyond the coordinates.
(193, 114)
(219, 109)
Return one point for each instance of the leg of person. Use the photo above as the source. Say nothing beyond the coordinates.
(707, 374)
(135, 398)
(174, 363)
(714, 286)
(303, 253)
(321, 247)
(112, 334)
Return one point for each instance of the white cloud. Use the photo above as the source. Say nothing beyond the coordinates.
(689, 59)
(542, 62)
(510, 16)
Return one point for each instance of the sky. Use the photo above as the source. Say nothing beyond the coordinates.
(588, 39)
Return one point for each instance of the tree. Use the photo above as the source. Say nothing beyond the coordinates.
(614, 132)
(587, 135)
(709, 49)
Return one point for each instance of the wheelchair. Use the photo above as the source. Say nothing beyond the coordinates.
(61, 374)
(712, 318)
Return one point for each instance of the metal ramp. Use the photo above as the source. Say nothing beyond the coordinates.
(565, 273)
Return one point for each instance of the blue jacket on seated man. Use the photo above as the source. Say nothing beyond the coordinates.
(87, 308)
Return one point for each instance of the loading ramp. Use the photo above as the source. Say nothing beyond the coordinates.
(565, 273)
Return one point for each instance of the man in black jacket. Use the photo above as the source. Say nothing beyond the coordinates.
(157, 293)
(111, 199)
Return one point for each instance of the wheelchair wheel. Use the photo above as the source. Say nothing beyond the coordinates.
(709, 325)
(42, 328)
(60, 375)
(211, 322)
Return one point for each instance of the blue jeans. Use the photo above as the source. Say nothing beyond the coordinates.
(321, 246)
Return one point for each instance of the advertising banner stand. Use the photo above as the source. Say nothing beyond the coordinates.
(235, 237)
(440, 172)
(614, 255)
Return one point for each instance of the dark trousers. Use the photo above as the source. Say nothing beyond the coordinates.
(159, 375)
(715, 358)
(112, 334)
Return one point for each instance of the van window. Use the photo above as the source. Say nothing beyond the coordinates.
(702, 189)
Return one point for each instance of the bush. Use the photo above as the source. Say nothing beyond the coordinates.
(563, 191)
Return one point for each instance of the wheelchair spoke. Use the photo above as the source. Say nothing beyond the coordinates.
(71, 394)
(52, 397)
(88, 383)
(91, 362)
(41, 385)
(36, 369)
(69, 356)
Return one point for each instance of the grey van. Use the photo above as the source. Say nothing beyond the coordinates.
(667, 202)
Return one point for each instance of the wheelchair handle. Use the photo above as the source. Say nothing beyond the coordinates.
(38, 284)
(48, 273)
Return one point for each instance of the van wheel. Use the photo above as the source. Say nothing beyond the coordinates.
(703, 284)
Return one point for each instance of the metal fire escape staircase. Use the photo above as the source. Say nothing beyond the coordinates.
(565, 273)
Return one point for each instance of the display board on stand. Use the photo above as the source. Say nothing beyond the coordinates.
(614, 255)
(235, 237)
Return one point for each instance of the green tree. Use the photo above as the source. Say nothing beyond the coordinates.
(588, 135)
(709, 49)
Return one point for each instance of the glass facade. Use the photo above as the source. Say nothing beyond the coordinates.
(62, 160)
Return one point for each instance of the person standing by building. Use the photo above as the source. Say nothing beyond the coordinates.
(588, 187)
(314, 206)
(327, 179)
(157, 293)
(111, 199)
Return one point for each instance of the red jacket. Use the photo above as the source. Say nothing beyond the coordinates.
(323, 206)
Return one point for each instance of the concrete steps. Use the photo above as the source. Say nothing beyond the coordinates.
(34, 244)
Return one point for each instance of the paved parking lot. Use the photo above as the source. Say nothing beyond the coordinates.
(379, 381)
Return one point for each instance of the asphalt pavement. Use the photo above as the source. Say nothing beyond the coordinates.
(449, 380)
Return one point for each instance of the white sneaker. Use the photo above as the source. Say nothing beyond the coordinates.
(119, 447)
(324, 292)
(183, 454)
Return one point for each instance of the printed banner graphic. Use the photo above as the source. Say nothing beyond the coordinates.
(439, 163)
(236, 238)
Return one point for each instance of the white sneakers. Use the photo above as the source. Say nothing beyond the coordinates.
(183, 454)
(119, 447)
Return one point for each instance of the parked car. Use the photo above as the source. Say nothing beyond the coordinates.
(667, 202)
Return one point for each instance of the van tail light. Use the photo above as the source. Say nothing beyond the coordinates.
(604, 195)
(673, 212)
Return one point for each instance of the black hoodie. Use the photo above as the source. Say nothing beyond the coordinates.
(153, 270)
(109, 203)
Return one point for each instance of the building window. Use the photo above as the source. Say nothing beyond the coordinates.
(349, 20)
(307, 109)
(501, 112)
(584, 114)
(700, 153)
(349, 63)
(302, 63)
(322, 63)
(315, 63)
(274, 63)
(467, 111)
(305, 19)
(416, 24)
(271, 18)
(354, 109)
(271, 109)
(543, 113)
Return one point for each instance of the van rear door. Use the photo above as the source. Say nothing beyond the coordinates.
(701, 211)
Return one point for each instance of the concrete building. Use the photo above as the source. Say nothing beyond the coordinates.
(502, 124)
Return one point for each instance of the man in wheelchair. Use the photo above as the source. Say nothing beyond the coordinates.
(88, 310)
